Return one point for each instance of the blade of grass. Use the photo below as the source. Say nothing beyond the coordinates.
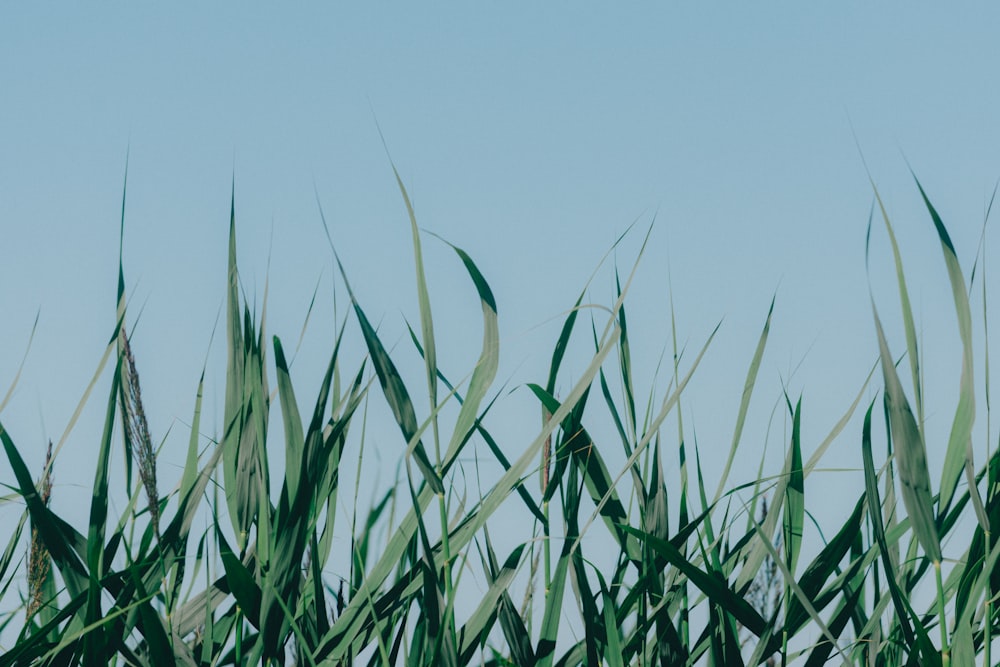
(959, 449)
(911, 453)
(20, 366)
(748, 385)
(710, 583)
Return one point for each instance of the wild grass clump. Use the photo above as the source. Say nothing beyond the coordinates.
(696, 576)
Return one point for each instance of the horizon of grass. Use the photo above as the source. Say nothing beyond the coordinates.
(726, 584)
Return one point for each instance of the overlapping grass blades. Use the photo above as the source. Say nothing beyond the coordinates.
(275, 579)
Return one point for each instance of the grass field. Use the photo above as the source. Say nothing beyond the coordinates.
(704, 572)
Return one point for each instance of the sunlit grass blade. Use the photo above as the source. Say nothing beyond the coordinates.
(903, 611)
(656, 519)
(748, 386)
(486, 367)
(911, 453)
(960, 440)
(496, 603)
(909, 328)
(20, 367)
(839, 426)
(292, 420)
(423, 300)
(190, 473)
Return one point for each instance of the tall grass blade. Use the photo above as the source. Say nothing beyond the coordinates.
(338, 641)
(94, 642)
(903, 610)
(20, 366)
(960, 440)
(423, 299)
(909, 328)
(748, 385)
(802, 597)
(294, 438)
(911, 453)
(794, 514)
(394, 390)
(238, 504)
(496, 603)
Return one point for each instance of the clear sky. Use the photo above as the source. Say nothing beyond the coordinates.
(530, 134)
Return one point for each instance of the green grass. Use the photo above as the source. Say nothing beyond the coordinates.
(696, 576)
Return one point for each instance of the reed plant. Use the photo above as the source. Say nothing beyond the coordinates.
(698, 576)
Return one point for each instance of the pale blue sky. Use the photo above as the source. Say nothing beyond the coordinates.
(529, 135)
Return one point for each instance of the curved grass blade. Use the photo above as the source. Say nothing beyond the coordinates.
(486, 368)
(667, 406)
(823, 567)
(423, 299)
(712, 584)
(960, 440)
(584, 453)
(240, 581)
(496, 602)
(491, 443)
(160, 649)
(339, 641)
(748, 385)
(802, 597)
(911, 453)
(903, 611)
(20, 366)
(909, 328)
(393, 388)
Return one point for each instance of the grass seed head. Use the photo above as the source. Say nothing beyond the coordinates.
(39, 563)
(137, 432)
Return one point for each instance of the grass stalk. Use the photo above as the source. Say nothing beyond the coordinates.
(942, 617)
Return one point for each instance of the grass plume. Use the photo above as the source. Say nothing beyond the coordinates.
(39, 561)
(136, 428)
